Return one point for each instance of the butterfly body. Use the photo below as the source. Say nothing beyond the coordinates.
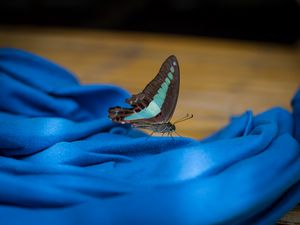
(158, 128)
(153, 107)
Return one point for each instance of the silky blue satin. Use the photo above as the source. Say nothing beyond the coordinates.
(63, 162)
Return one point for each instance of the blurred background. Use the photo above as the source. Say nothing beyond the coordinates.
(234, 55)
(260, 20)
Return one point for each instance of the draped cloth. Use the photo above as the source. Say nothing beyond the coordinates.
(63, 162)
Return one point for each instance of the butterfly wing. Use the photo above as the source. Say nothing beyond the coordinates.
(157, 102)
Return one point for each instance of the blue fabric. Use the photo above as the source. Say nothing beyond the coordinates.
(63, 162)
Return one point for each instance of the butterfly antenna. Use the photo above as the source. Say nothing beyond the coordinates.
(187, 117)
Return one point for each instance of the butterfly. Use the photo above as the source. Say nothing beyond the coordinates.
(153, 108)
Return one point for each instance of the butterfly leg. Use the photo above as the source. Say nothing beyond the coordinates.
(172, 136)
(177, 134)
(150, 135)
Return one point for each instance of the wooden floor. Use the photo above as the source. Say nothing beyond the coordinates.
(219, 78)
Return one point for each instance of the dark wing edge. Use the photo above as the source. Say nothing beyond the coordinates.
(142, 100)
(170, 102)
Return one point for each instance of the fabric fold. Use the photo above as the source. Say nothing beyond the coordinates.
(62, 161)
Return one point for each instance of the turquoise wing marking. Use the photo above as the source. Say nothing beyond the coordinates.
(154, 107)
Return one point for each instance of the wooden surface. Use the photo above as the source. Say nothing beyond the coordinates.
(218, 78)
(291, 218)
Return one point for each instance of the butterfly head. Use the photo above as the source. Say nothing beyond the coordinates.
(172, 127)
(165, 128)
